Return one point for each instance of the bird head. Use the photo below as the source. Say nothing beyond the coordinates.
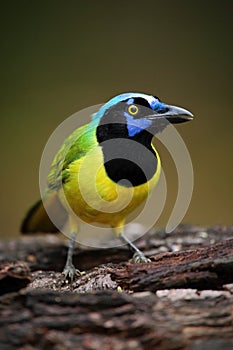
(138, 112)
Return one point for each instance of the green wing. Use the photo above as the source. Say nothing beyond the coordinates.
(76, 146)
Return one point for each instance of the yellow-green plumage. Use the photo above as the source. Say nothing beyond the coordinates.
(100, 199)
(82, 184)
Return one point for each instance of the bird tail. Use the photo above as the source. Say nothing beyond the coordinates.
(37, 219)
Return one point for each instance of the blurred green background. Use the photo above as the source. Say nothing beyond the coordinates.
(58, 57)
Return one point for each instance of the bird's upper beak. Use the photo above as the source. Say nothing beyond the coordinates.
(173, 114)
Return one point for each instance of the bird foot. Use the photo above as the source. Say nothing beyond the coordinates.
(140, 258)
(70, 272)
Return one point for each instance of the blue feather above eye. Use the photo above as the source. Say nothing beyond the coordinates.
(120, 98)
(135, 126)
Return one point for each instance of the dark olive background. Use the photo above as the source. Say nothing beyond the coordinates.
(58, 57)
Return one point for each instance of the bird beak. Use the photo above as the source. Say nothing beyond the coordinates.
(173, 114)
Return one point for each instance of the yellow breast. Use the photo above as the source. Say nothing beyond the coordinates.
(94, 197)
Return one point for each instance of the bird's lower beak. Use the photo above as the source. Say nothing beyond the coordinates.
(173, 114)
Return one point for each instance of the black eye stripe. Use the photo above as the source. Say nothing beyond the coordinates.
(139, 101)
(142, 102)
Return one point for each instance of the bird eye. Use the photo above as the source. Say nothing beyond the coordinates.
(133, 109)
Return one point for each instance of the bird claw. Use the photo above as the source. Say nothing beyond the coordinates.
(140, 258)
(70, 272)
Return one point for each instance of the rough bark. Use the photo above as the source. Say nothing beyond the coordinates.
(183, 299)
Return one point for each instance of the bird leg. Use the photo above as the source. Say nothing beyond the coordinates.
(69, 270)
(138, 256)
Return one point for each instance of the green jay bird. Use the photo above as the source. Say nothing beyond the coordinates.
(105, 169)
